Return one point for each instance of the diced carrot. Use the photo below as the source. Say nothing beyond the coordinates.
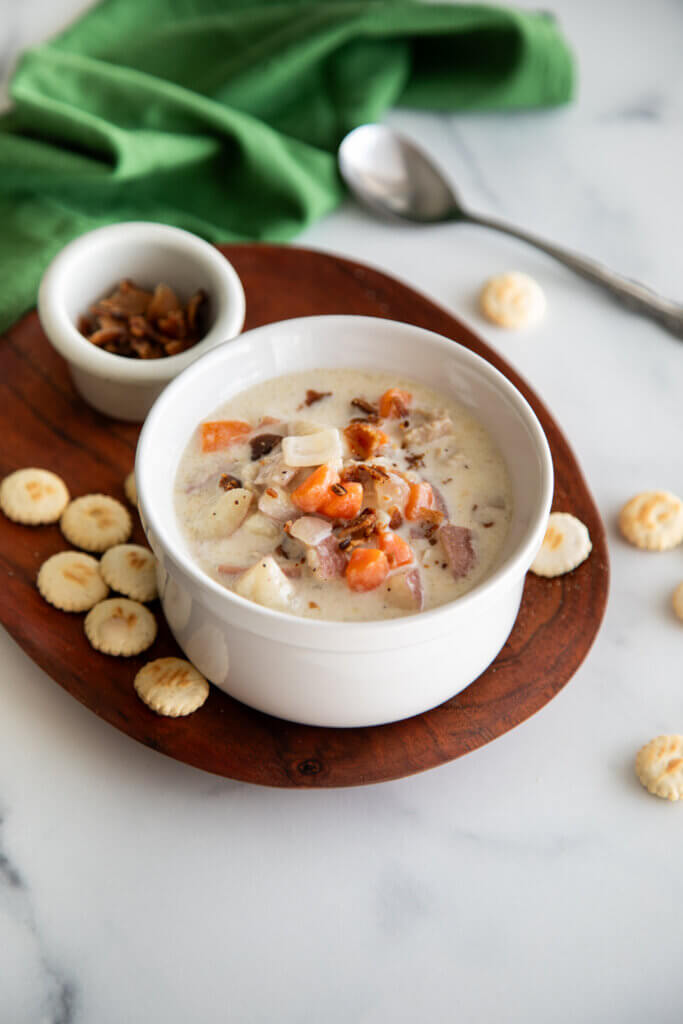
(364, 439)
(397, 550)
(367, 569)
(222, 433)
(394, 402)
(343, 506)
(421, 498)
(312, 492)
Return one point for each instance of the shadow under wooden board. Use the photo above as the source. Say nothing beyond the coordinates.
(44, 423)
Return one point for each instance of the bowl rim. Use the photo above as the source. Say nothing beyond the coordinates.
(62, 333)
(255, 617)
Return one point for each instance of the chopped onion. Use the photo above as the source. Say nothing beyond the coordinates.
(312, 449)
(310, 530)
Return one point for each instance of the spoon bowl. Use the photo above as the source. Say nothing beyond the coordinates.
(391, 175)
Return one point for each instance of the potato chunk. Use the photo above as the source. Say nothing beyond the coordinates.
(405, 590)
(261, 526)
(266, 584)
(223, 516)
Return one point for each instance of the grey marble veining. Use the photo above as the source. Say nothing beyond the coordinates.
(533, 881)
(50, 996)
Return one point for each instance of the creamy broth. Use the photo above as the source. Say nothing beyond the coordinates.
(243, 487)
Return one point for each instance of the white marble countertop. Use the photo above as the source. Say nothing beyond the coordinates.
(532, 881)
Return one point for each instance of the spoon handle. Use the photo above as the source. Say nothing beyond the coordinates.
(630, 293)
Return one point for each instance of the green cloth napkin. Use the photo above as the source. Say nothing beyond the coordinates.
(223, 116)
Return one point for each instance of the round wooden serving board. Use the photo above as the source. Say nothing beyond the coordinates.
(44, 423)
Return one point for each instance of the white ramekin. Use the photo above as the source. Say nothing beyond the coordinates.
(91, 266)
(337, 673)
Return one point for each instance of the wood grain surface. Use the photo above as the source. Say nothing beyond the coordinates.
(45, 424)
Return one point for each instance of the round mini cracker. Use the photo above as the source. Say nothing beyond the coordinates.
(71, 581)
(96, 522)
(171, 686)
(33, 496)
(130, 489)
(130, 569)
(512, 300)
(677, 601)
(659, 766)
(565, 546)
(653, 520)
(120, 627)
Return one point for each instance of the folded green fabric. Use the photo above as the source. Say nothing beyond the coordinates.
(223, 116)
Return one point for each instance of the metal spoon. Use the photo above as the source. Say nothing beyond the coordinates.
(392, 176)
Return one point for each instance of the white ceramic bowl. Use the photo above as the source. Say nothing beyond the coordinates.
(91, 266)
(341, 673)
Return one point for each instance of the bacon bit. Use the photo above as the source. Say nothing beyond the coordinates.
(271, 492)
(312, 604)
(432, 516)
(448, 480)
(194, 308)
(279, 550)
(313, 396)
(415, 460)
(173, 347)
(126, 301)
(140, 327)
(362, 472)
(164, 302)
(371, 411)
(338, 489)
(365, 439)
(105, 335)
(359, 528)
(142, 348)
(135, 323)
(228, 482)
(429, 521)
(173, 324)
(396, 518)
(395, 402)
(263, 444)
